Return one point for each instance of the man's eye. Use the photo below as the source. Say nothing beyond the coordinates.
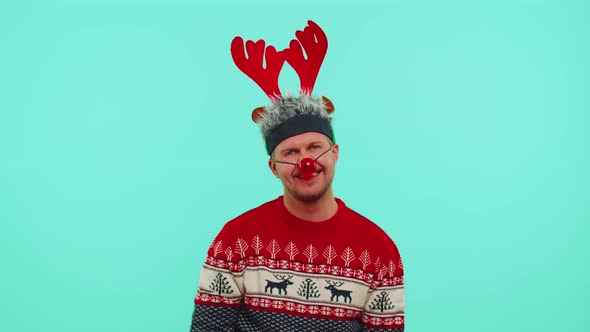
(290, 153)
(315, 147)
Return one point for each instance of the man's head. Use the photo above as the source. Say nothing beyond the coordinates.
(294, 128)
(305, 188)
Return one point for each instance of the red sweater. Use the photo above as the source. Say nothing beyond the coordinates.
(268, 267)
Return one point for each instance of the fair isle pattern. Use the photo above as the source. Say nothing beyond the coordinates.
(300, 308)
(241, 247)
(301, 267)
(222, 319)
(215, 299)
(273, 322)
(303, 288)
(392, 282)
(329, 253)
(365, 258)
(265, 272)
(311, 253)
(377, 321)
(289, 279)
(386, 301)
(214, 318)
(294, 308)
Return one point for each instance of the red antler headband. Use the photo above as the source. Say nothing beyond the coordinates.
(267, 79)
(287, 116)
(315, 43)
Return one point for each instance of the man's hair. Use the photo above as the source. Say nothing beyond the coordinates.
(289, 107)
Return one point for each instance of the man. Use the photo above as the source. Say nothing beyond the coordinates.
(304, 261)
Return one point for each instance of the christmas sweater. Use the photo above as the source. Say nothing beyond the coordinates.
(268, 270)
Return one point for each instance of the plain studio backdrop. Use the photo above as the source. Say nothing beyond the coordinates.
(126, 143)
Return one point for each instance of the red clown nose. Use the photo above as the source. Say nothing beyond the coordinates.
(307, 166)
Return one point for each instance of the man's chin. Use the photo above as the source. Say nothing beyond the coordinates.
(311, 196)
(308, 198)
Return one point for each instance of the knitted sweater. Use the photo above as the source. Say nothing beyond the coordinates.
(268, 270)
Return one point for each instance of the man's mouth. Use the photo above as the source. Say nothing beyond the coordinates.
(308, 176)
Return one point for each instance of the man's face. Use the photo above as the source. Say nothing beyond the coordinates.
(307, 188)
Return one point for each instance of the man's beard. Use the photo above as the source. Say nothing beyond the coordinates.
(308, 197)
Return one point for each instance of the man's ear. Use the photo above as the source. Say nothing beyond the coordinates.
(273, 167)
(335, 151)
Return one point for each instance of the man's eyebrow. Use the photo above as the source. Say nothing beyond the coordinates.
(319, 142)
(285, 149)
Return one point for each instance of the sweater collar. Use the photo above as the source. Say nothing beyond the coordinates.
(306, 225)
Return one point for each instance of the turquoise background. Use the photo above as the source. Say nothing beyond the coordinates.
(126, 143)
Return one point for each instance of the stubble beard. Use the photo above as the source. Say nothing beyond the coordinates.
(309, 197)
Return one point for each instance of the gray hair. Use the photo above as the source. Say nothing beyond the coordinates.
(288, 107)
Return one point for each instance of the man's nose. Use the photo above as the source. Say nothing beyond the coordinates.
(310, 154)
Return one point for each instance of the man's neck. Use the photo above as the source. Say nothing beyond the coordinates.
(319, 210)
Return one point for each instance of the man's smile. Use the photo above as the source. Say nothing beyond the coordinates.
(308, 177)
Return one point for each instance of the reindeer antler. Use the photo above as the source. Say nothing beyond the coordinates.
(280, 277)
(315, 43)
(267, 78)
(335, 284)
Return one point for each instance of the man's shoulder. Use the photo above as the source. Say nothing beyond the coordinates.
(359, 219)
(256, 215)
(367, 227)
(369, 235)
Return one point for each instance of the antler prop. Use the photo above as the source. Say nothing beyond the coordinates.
(315, 43)
(267, 78)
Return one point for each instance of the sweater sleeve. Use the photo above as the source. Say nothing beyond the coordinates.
(385, 306)
(220, 291)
